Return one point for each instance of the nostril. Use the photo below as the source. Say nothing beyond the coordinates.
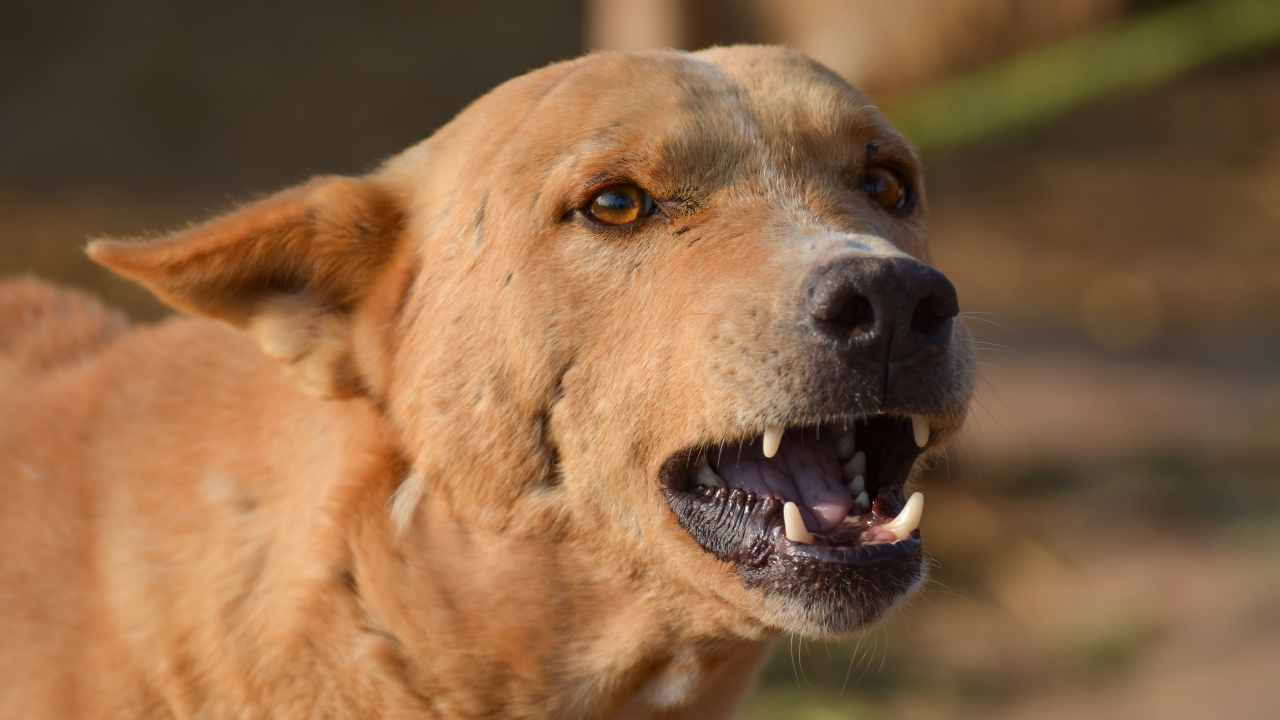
(932, 315)
(871, 305)
(847, 312)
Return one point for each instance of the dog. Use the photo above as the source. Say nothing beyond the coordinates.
(567, 411)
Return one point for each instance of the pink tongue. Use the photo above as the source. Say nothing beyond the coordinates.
(804, 471)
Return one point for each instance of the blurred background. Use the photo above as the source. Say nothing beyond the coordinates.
(1105, 187)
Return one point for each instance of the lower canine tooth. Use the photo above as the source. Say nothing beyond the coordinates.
(793, 524)
(908, 519)
(772, 439)
(863, 500)
(858, 485)
(920, 429)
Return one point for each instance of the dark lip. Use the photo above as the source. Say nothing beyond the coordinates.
(856, 555)
(747, 530)
(756, 535)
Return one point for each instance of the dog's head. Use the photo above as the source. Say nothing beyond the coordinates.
(674, 308)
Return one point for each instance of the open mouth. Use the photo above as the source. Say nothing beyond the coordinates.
(831, 493)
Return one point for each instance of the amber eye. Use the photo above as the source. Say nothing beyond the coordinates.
(620, 205)
(887, 188)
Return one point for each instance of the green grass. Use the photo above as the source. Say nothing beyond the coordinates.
(1104, 654)
(1131, 56)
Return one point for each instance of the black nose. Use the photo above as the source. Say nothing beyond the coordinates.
(883, 308)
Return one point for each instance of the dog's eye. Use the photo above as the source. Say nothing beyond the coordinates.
(887, 188)
(620, 205)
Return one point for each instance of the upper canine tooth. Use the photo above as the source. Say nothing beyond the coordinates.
(920, 429)
(772, 439)
(908, 519)
(706, 476)
(846, 444)
(793, 524)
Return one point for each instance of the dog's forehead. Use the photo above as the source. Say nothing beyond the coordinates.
(755, 121)
(703, 120)
(773, 84)
(754, 93)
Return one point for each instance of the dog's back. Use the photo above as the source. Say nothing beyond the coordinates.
(49, 338)
(85, 400)
(138, 491)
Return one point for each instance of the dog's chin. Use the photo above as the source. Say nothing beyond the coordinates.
(827, 612)
(819, 523)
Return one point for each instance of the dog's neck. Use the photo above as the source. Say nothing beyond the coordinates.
(462, 621)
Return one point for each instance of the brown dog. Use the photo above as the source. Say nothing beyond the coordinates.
(564, 412)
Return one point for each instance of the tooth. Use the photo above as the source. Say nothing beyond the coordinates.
(793, 523)
(862, 500)
(920, 428)
(909, 519)
(858, 484)
(846, 444)
(772, 439)
(856, 466)
(707, 477)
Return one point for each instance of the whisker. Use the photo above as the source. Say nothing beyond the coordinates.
(982, 317)
(791, 652)
(853, 657)
(884, 655)
(800, 659)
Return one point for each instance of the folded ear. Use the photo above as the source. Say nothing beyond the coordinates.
(291, 269)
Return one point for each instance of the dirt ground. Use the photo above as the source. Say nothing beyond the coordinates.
(1106, 532)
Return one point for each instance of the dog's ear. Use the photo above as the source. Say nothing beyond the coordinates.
(291, 269)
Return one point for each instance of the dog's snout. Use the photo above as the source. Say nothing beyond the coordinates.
(876, 304)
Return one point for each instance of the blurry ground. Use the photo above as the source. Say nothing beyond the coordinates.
(1106, 533)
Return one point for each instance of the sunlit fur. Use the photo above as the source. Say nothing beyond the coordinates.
(438, 497)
